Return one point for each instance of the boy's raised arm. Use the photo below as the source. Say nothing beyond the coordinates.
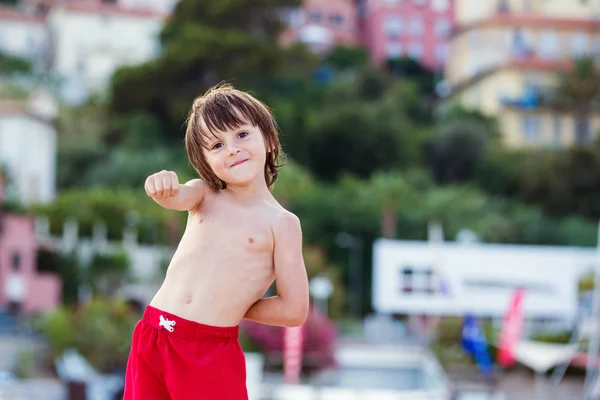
(164, 188)
(290, 306)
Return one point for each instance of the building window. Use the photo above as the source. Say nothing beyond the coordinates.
(316, 16)
(473, 38)
(531, 127)
(502, 6)
(415, 25)
(549, 44)
(579, 44)
(393, 26)
(556, 131)
(336, 19)
(415, 51)
(440, 5)
(582, 130)
(294, 17)
(394, 50)
(442, 27)
(441, 53)
(16, 261)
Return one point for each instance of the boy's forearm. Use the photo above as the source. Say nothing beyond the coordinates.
(275, 311)
(181, 202)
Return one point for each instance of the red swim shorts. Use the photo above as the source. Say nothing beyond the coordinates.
(178, 359)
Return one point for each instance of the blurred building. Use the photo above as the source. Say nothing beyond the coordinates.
(31, 168)
(418, 29)
(79, 44)
(91, 40)
(322, 24)
(506, 59)
(41, 7)
(24, 35)
(23, 289)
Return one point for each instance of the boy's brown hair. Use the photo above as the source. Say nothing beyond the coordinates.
(220, 108)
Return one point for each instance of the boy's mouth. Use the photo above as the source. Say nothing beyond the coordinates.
(238, 163)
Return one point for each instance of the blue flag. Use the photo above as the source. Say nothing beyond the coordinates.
(474, 343)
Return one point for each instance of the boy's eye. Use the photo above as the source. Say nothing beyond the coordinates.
(216, 146)
(242, 134)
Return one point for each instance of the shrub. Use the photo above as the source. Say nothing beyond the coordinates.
(100, 330)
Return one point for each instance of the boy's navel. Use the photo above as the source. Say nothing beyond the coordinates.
(188, 300)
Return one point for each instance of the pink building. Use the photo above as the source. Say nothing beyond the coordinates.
(22, 288)
(418, 29)
(322, 24)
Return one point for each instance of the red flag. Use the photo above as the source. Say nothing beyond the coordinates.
(292, 353)
(510, 333)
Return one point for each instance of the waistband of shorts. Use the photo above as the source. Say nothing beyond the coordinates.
(186, 329)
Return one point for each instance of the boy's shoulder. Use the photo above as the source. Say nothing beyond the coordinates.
(284, 221)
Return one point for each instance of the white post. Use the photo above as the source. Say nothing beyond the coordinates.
(130, 238)
(594, 347)
(42, 227)
(70, 234)
(99, 238)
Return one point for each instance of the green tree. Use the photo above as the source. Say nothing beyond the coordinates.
(457, 151)
(11, 64)
(358, 130)
(579, 92)
(293, 180)
(204, 43)
(388, 192)
(347, 58)
(460, 144)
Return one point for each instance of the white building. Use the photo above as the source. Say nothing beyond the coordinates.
(164, 7)
(92, 40)
(28, 144)
(24, 35)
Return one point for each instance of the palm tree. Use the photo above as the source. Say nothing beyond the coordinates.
(579, 92)
(389, 191)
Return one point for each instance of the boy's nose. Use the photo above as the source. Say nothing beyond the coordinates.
(234, 150)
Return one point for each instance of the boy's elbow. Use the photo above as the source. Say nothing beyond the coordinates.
(299, 315)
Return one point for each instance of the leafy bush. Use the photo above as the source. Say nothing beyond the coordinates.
(107, 271)
(100, 330)
(116, 209)
(68, 269)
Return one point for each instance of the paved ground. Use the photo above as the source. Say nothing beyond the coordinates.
(38, 389)
(520, 386)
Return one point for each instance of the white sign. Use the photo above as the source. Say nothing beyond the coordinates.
(453, 279)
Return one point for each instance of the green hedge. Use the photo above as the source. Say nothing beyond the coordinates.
(116, 209)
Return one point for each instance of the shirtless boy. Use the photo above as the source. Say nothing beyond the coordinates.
(237, 241)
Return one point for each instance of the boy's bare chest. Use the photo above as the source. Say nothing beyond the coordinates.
(235, 231)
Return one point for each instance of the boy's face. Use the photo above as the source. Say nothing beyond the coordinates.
(237, 156)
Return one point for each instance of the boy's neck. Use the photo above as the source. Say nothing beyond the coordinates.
(252, 191)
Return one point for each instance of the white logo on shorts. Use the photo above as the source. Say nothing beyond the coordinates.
(168, 325)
